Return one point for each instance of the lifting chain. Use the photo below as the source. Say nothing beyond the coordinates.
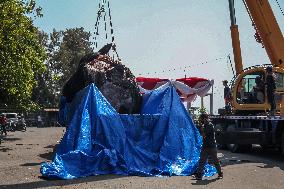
(256, 35)
(104, 14)
(278, 4)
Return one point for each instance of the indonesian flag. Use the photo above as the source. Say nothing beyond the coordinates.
(187, 88)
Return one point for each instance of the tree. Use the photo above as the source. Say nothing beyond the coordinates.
(64, 49)
(74, 45)
(21, 54)
(43, 93)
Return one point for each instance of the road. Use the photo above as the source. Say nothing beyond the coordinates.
(21, 154)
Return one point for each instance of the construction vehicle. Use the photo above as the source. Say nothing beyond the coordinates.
(247, 122)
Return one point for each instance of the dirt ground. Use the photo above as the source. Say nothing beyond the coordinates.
(21, 154)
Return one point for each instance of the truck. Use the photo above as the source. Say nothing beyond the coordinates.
(248, 122)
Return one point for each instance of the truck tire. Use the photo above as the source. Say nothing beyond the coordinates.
(219, 128)
(232, 147)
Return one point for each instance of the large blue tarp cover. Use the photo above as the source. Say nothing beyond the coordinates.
(162, 140)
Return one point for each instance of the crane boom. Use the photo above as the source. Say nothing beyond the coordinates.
(268, 30)
(235, 39)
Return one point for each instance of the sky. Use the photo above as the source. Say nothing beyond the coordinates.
(162, 38)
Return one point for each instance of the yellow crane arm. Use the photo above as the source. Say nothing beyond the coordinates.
(268, 30)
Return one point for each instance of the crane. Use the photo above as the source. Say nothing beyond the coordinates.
(247, 124)
(268, 33)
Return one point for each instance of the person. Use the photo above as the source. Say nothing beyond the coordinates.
(209, 147)
(39, 121)
(227, 96)
(258, 90)
(3, 122)
(241, 98)
(270, 88)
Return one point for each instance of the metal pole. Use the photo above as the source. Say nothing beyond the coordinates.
(188, 106)
(211, 101)
(202, 102)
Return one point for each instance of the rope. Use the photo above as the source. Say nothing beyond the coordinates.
(280, 7)
(184, 69)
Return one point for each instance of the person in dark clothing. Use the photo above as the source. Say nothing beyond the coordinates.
(258, 90)
(209, 147)
(270, 89)
(3, 123)
(227, 96)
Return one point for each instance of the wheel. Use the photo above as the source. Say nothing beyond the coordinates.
(245, 148)
(219, 128)
(232, 147)
(264, 147)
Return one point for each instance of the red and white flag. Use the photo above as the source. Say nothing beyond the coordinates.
(187, 88)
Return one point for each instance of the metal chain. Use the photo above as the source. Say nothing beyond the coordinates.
(280, 7)
(230, 61)
(112, 33)
(256, 35)
(99, 15)
(104, 7)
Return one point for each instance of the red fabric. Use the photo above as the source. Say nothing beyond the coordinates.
(3, 120)
(192, 81)
(149, 83)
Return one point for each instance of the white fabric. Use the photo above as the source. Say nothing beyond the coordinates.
(189, 93)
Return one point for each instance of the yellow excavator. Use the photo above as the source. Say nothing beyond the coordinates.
(248, 124)
(268, 33)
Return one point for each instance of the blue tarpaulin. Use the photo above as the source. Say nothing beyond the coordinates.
(162, 140)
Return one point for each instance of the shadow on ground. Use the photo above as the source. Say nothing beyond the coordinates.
(9, 139)
(204, 182)
(58, 183)
(270, 158)
(51, 146)
(3, 149)
(50, 154)
(30, 164)
(47, 155)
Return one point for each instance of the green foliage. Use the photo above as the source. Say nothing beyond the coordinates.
(202, 110)
(34, 65)
(21, 54)
(69, 47)
(64, 50)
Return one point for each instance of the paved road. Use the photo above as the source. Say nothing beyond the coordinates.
(22, 152)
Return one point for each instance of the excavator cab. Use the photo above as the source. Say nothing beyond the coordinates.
(249, 90)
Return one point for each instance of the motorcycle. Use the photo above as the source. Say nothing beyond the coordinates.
(21, 126)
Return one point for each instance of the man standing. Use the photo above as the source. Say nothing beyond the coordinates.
(209, 147)
(3, 122)
(39, 121)
(227, 96)
(270, 89)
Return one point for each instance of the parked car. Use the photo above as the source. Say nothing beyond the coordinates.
(12, 121)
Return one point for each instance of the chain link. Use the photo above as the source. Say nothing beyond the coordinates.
(280, 7)
(104, 7)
